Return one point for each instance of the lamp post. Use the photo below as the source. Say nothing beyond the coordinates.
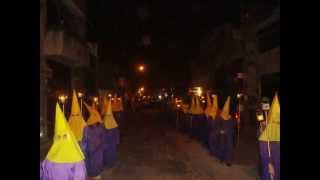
(63, 98)
(80, 95)
(95, 100)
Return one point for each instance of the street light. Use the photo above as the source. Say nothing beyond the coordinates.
(199, 91)
(95, 100)
(141, 68)
(80, 95)
(63, 99)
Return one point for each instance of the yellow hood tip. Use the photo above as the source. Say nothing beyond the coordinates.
(272, 130)
(65, 148)
(108, 119)
(94, 115)
(214, 108)
(76, 120)
(274, 113)
(225, 113)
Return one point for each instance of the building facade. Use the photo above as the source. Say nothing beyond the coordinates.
(67, 59)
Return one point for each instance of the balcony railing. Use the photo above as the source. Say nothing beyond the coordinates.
(66, 49)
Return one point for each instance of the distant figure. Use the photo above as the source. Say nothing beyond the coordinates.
(93, 143)
(198, 120)
(226, 132)
(76, 121)
(112, 137)
(65, 159)
(212, 122)
(117, 109)
(269, 143)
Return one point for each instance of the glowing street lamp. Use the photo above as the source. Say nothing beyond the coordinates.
(141, 68)
(80, 95)
(63, 98)
(95, 100)
(199, 91)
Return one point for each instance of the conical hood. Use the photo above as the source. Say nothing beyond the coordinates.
(198, 108)
(94, 115)
(76, 121)
(192, 106)
(225, 113)
(65, 148)
(108, 119)
(104, 105)
(209, 104)
(214, 108)
(272, 130)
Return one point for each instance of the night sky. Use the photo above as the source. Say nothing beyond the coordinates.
(165, 35)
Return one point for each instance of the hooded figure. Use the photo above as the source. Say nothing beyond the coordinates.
(65, 159)
(76, 121)
(112, 137)
(269, 141)
(212, 122)
(117, 109)
(209, 106)
(198, 121)
(93, 143)
(226, 131)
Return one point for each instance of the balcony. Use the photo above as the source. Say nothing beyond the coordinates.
(65, 49)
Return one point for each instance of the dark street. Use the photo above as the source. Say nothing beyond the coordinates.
(151, 148)
(172, 90)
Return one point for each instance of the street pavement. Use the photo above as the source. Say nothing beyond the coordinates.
(152, 149)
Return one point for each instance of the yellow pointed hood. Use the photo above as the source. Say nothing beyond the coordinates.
(198, 109)
(214, 108)
(65, 148)
(225, 113)
(272, 130)
(108, 119)
(94, 115)
(209, 104)
(192, 106)
(76, 121)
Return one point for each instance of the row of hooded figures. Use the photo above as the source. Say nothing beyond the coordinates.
(217, 129)
(83, 149)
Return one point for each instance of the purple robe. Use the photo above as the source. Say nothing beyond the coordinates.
(92, 144)
(225, 139)
(213, 136)
(197, 129)
(63, 171)
(265, 160)
(112, 139)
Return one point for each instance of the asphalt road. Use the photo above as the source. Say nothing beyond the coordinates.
(152, 149)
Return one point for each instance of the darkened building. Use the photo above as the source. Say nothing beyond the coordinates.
(67, 59)
(242, 57)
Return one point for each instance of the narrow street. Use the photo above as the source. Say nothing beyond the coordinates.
(151, 148)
